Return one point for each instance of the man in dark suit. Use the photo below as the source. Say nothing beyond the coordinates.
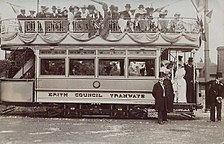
(216, 94)
(127, 12)
(162, 91)
(22, 14)
(42, 13)
(189, 77)
(53, 15)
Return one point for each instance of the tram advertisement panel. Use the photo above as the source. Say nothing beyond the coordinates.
(95, 97)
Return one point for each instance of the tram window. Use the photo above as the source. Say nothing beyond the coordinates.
(141, 67)
(111, 67)
(83, 67)
(52, 66)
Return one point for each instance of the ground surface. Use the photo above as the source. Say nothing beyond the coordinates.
(27, 130)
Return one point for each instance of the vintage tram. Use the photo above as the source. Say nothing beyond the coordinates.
(74, 73)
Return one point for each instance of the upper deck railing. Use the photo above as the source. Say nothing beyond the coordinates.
(164, 25)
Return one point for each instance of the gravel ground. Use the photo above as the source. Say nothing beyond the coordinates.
(28, 130)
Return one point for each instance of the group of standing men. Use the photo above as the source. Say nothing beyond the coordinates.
(164, 94)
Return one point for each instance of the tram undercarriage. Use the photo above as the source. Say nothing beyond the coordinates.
(124, 111)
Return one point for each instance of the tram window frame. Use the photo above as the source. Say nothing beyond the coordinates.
(139, 60)
(52, 75)
(112, 59)
(94, 67)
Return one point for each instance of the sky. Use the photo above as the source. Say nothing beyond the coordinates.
(184, 7)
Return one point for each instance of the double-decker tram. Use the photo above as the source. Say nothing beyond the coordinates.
(92, 66)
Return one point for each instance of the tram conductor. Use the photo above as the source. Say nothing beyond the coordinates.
(215, 96)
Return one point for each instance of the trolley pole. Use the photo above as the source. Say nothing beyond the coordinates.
(38, 2)
(206, 54)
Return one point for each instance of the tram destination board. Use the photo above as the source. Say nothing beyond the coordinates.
(94, 97)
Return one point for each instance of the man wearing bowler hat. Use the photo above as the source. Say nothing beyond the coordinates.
(127, 12)
(189, 77)
(215, 95)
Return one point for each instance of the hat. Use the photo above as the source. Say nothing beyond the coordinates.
(190, 59)
(71, 8)
(53, 7)
(219, 75)
(64, 9)
(151, 9)
(59, 8)
(177, 14)
(112, 7)
(164, 71)
(141, 6)
(91, 7)
(44, 8)
(76, 7)
(128, 6)
(180, 58)
(22, 10)
(165, 62)
(84, 7)
(116, 8)
(32, 11)
(163, 13)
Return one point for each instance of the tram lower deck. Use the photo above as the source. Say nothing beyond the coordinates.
(117, 82)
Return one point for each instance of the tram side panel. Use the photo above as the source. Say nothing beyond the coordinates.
(16, 91)
(104, 91)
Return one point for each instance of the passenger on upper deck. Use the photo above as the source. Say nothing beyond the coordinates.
(149, 18)
(65, 13)
(84, 12)
(71, 18)
(162, 22)
(127, 12)
(141, 23)
(59, 12)
(77, 13)
(32, 15)
(22, 14)
(176, 25)
(42, 13)
(140, 11)
(53, 14)
(113, 13)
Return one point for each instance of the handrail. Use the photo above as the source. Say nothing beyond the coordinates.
(49, 25)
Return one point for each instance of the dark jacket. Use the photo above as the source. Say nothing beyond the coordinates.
(54, 16)
(126, 15)
(189, 76)
(20, 16)
(41, 15)
(160, 100)
(214, 90)
(169, 92)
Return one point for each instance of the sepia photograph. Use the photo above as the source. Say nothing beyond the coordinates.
(111, 71)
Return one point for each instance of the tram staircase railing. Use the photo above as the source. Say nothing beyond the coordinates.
(27, 66)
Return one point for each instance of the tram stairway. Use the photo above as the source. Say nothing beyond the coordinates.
(27, 66)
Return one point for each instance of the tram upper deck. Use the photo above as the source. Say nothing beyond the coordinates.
(183, 33)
